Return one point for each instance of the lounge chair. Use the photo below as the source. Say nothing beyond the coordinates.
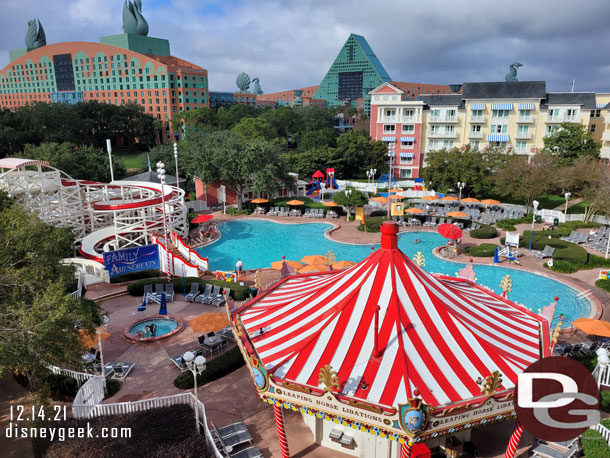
(227, 333)
(320, 213)
(441, 221)
(547, 252)
(213, 295)
(250, 452)
(576, 349)
(169, 292)
(222, 299)
(122, 370)
(190, 297)
(147, 290)
(307, 213)
(236, 439)
(570, 237)
(202, 297)
(180, 363)
(231, 429)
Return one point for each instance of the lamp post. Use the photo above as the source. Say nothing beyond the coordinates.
(161, 176)
(99, 344)
(567, 195)
(348, 193)
(322, 186)
(535, 205)
(196, 365)
(390, 156)
(461, 185)
(109, 148)
(223, 190)
(176, 158)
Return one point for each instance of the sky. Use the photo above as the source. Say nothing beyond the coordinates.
(289, 44)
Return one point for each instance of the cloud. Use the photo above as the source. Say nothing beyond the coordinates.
(290, 44)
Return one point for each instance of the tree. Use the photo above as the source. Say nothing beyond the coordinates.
(520, 179)
(306, 163)
(570, 142)
(227, 118)
(585, 179)
(39, 320)
(355, 199)
(356, 154)
(236, 161)
(80, 162)
(285, 121)
(255, 128)
(309, 139)
(444, 168)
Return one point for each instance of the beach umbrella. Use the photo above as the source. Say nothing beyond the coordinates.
(330, 204)
(446, 198)
(316, 268)
(414, 210)
(207, 322)
(429, 198)
(201, 219)
(343, 264)
(593, 327)
(314, 260)
(457, 214)
(383, 200)
(470, 200)
(396, 197)
(89, 340)
(277, 265)
(295, 202)
(450, 231)
(259, 201)
(490, 202)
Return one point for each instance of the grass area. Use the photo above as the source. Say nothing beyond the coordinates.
(579, 208)
(547, 201)
(482, 251)
(131, 159)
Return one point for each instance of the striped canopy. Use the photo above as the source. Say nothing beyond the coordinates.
(437, 335)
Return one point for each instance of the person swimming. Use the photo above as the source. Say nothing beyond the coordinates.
(416, 241)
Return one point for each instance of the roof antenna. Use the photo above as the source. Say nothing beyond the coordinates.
(573, 82)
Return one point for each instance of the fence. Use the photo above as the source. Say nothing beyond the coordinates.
(605, 432)
(80, 377)
(86, 409)
(602, 375)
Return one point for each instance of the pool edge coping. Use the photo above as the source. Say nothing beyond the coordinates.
(133, 339)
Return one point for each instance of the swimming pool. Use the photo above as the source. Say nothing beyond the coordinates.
(260, 242)
(165, 327)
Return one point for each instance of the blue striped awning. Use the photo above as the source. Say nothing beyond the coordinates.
(388, 139)
(600, 105)
(501, 106)
(526, 106)
(407, 155)
(407, 139)
(498, 138)
(477, 106)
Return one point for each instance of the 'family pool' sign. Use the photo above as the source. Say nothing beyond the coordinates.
(129, 260)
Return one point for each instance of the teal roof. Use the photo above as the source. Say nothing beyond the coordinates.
(372, 57)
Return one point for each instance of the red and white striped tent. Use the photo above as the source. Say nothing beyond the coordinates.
(438, 338)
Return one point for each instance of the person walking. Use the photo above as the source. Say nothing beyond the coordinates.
(239, 267)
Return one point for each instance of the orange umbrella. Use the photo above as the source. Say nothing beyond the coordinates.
(307, 269)
(207, 322)
(330, 204)
(383, 200)
(314, 260)
(396, 190)
(457, 214)
(593, 327)
(415, 210)
(295, 202)
(259, 201)
(396, 197)
(449, 198)
(429, 198)
(470, 200)
(343, 264)
(89, 340)
(490, 202)
(277, 265)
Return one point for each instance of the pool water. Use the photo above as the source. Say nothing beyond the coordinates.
(164, 326)
(258, 243)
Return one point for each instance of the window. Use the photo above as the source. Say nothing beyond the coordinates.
(405, 173)
(596, 113)
(407, 144)
(389, 113)
(408, 128)
(523, 130)
(525, 113)
(499, 113)
(592, 128)
(550, 130)
(389, 128)
(521, 146)
(475, 144)
(477, 114)
(475, 129)
(408, 113)
(499, 128)
(500, 145)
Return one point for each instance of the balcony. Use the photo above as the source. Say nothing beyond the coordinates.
(604, 153)
(562, 118)
(475, 134)
(480, 119)
(443, 118)
(607, 119)
(525, 118)
(409, 119)
(523, 135)
(521, 151)
(388, 119)
(441, 134)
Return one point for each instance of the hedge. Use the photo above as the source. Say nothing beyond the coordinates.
(509, 224)
(484, 232)
(481, 251)
(62, 387)
(149, 273)
(603, 284)
(238, 292)
(594, 445)
(112, 387)
(215, 368)
(373, 223)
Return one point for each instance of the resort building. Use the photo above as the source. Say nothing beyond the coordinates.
(513, 116)
(123, 68)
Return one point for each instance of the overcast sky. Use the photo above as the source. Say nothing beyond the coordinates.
(290, 44)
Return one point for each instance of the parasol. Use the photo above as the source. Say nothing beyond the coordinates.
(295, 202)
(593, 327)
(259, 201)
(383, 200)
(450, 231)
(452, 198)
(343, 264)
(207, 322)
(89, 340)
(457, 214)
(419, 211)
(429, 198)
(330, 204)
(201, 219)
(470, 200)
(277, 265)
(490, 202)
(314, 259)
(316, 268)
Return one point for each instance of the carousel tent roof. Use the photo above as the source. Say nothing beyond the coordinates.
(437, 334)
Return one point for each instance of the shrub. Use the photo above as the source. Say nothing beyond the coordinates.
(509, 224)
(373, 223)
(484, 232)
(215, 369)
(63, 388)
(574, 253)
(590, 362)
(605, 401)
(112, 387)
(483, 250)
(603, 284)
(594, 445)
(235, 211)
(238, 292)
(564, 267)
(378, 213)
(190, 217)
(149, 273)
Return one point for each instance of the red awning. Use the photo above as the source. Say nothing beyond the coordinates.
(437, 335)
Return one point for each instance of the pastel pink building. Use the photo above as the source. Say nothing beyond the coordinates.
(398, 123)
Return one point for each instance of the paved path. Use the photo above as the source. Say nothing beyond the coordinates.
(571, 203)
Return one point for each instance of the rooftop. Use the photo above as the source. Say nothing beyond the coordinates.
(504, 90)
